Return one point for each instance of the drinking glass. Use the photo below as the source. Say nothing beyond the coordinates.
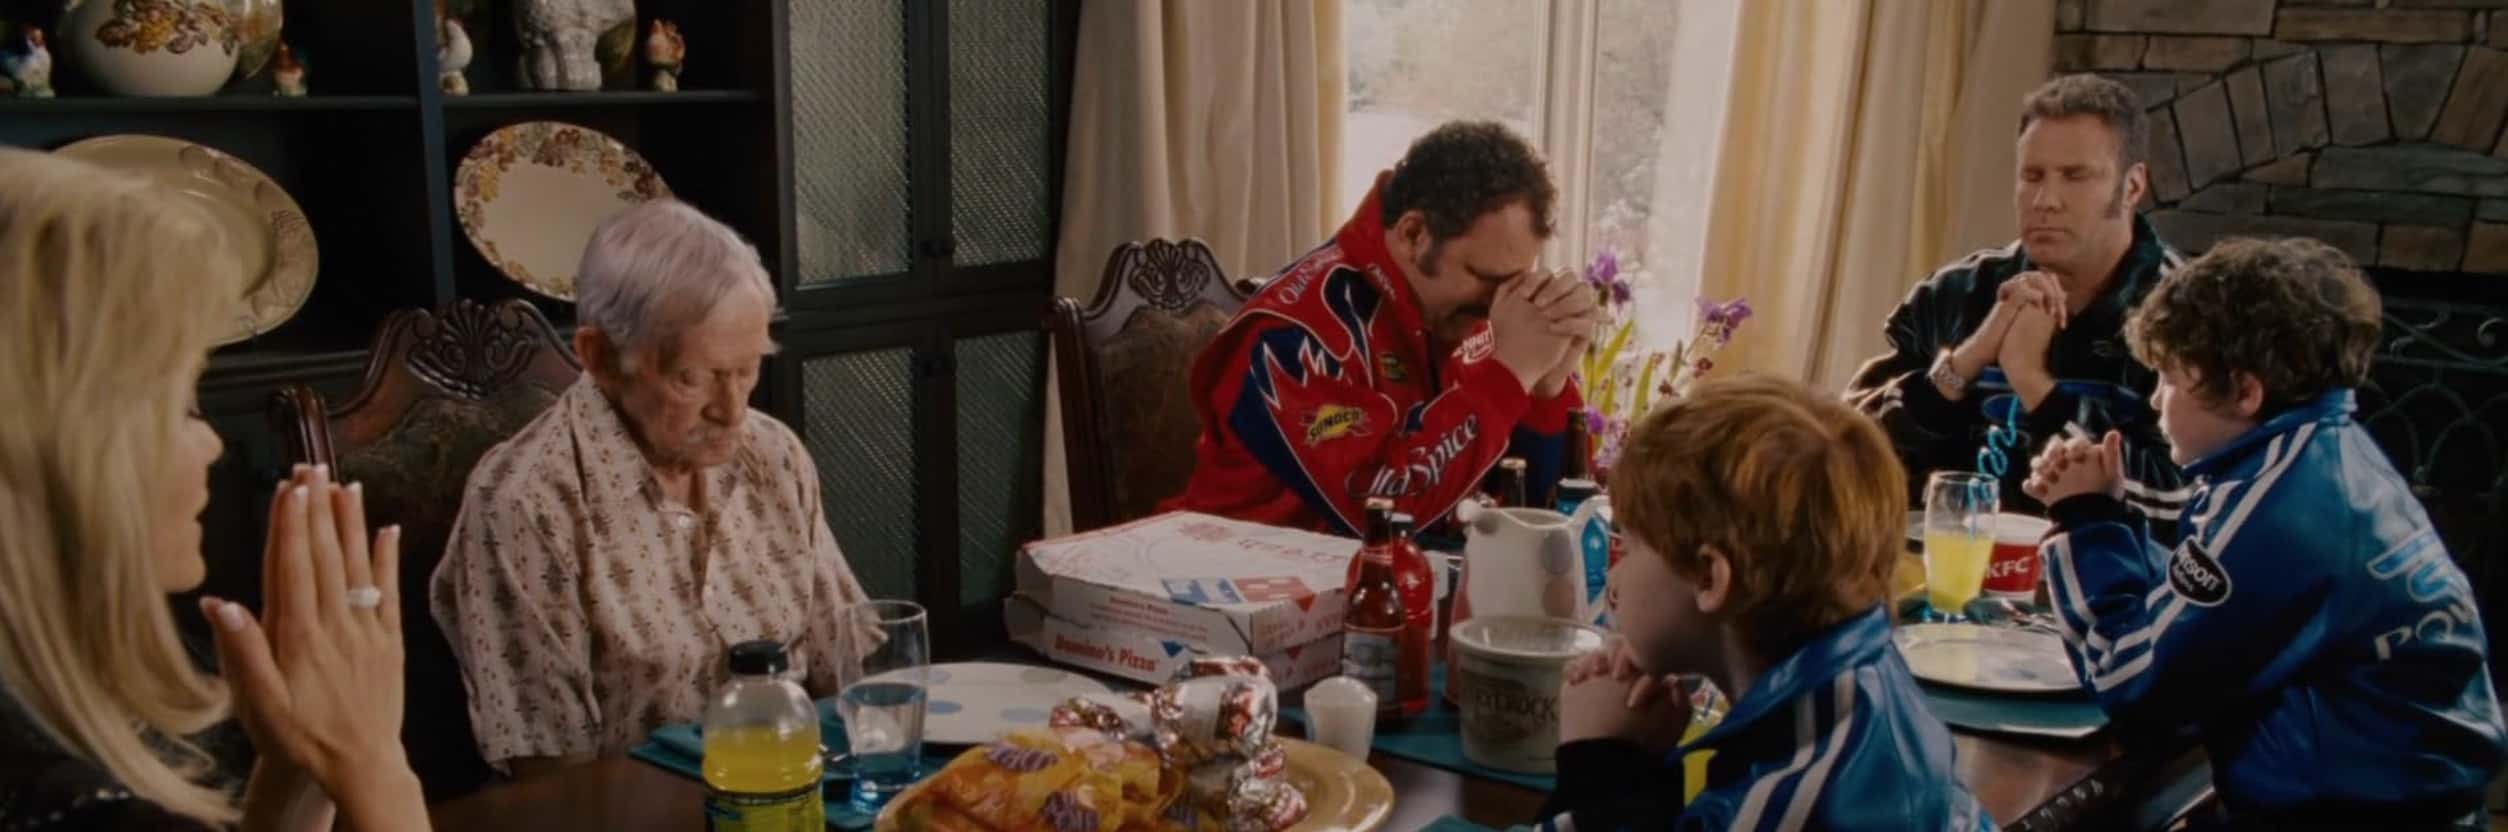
(883, 696)
(1959, 540)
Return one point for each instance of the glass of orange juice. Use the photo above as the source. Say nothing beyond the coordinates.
(1959, 540)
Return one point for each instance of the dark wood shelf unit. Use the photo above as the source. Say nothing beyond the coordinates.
(236, 103)
(371, 155)
(598, 100)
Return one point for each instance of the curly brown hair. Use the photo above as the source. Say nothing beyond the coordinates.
(1464, 169)
(1802, 493)
(2292, 312)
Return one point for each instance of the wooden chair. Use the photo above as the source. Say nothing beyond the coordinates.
(440, 389)
(1127, 415)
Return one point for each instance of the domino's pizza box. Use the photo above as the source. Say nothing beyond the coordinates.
(1144, 657)
(1223, 587)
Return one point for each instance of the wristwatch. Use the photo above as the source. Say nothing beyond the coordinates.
(1946, 379)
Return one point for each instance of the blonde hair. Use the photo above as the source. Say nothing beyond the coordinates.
(110, 290)
(1799, 491)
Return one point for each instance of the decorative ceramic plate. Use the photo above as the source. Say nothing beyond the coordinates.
(970, 703)
(260, 222)
(529, 196)
(2004, 659)
(1342, 793)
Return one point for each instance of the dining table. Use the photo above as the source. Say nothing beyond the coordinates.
(2024, 783)
(2113, 779)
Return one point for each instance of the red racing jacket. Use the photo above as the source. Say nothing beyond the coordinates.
(1323, 391)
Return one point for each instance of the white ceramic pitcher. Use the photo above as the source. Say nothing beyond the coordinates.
(1527, 562)
(1524, 561)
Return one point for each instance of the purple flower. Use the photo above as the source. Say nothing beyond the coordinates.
(1605, 268)
(1595, 422)
(1728, 314)
(1620, 291)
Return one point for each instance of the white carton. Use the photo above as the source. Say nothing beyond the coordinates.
(1222, 587)
(1144, 657)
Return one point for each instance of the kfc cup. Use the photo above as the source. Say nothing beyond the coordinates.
(2012, 571)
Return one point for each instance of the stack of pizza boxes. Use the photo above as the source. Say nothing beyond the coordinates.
(1141, 599)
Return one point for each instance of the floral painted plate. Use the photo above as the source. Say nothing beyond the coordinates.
(260, 222)
(529, 196)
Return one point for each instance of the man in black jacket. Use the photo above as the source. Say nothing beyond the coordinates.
(2027, 337)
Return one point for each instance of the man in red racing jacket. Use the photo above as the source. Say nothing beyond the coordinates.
(1403, 358)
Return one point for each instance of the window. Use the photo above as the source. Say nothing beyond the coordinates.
(1415, 64)
(1589, 81)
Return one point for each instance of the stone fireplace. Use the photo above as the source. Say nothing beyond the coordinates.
(2374, 125)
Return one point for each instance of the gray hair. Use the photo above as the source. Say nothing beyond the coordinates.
(658, 268)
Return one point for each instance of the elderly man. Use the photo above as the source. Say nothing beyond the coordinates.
(1405, 356)
(609, 554)
(2027, 335)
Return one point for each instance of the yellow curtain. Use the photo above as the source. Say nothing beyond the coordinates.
(1192, 118)
(1864, 141)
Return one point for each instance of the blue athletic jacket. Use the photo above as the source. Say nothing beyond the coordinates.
(2310, 623)
(1835, 737)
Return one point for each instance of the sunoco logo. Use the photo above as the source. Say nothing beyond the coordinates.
(2197, 576)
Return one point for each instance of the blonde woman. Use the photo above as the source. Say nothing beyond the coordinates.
(110, 291)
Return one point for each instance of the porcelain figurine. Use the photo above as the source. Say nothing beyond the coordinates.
(151, 47)
(663, 50)
(452, 56)
(561, 40)
(29, 69)
(257, 24)
(287, 74)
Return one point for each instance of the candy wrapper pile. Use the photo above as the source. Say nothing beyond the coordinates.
(1196, 755)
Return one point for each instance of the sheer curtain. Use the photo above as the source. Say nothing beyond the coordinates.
(1195, 118)
(1858, 144)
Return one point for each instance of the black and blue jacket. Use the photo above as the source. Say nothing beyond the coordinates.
(1836, 736)
(2309, 623)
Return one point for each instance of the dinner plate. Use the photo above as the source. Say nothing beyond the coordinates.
(970, 703)
(2004, 659)
(1342, 793)
(529, 196)
(259, 220)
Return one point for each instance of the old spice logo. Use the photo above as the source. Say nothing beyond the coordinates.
(1334, 421)
(1294, 285)
(1428, 463)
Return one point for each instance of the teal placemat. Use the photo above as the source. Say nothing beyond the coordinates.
(678, 749)
(1451, 823)
(1435, 738)
(2062, 717)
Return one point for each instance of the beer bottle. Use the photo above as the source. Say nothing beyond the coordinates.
(1574, 455)
(1375, 630)
(1508, 486)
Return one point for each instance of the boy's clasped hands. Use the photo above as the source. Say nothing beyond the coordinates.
(1609, 696)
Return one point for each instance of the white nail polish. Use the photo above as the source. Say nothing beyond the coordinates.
(230, 616)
